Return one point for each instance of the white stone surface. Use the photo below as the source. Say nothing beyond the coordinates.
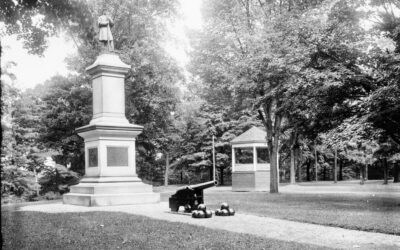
(108, 75)
(94, 200)
(108, 100)
(113, 180)
(103, 138)
(118, 192)
(108, 59)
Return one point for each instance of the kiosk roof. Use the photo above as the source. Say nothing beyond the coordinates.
(253, 135)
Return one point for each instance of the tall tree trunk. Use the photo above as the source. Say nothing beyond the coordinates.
(366, 171)
(274, 185)
(362, 166)
(293, 141)
(396, 173)
(308, 170)
(273, 133)
(213, 158)
(36, 181)
(341, 169)
(292, 169)
(385, 171)
(299, 164)
(335, 167)
(166, 169)
(221, 176)
(316, 161)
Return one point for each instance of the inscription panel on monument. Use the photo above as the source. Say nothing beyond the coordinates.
(117, 156)
(93, 157)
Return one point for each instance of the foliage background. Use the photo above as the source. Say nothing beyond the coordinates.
(308, 71)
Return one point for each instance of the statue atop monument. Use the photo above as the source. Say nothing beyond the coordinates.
(105, 37)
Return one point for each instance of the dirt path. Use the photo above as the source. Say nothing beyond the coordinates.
(249, 224)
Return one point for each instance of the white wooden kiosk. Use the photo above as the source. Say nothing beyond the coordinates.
(250, 161)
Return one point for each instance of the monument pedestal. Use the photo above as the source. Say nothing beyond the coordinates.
(110, 168)
(115, 192)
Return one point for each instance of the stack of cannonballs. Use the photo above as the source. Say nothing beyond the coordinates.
(225, 210)
(202, 212)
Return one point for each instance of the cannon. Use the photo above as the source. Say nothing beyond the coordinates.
(189, 196)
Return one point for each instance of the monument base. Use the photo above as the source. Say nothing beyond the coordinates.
(110, 191)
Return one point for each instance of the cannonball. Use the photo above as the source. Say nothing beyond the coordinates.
(231, 211)
(201, 207)
(224, 212)
(208, 213)
(224, 205)
(218, 212)
(201, 214)
(195, 214)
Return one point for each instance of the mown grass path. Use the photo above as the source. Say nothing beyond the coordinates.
(372, 207)
(313, 216)
(90, 229)
(267, 228)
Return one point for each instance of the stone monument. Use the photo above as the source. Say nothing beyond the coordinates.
(110, 167)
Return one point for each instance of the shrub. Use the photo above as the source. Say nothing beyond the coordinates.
(51, 195)
(17, 184)
(58, 180)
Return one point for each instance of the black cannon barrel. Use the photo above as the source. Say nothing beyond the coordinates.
(199, 186)
(204, 185)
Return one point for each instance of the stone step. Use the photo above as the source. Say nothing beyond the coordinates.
(91, 200)
(111, 188)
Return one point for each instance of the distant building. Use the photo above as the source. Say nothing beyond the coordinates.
(250, 161)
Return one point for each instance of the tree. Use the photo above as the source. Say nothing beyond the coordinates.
(197, 122)
(383, 103)
(68, 105)
(28, 126)
(9, 93)
(305, 70)
(292, 68)
(35, 21)
(18, 141)
(151, 91)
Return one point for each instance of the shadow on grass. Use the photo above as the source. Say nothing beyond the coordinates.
(116, 230)
(366, 213)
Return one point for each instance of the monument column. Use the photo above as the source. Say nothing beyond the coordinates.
(110, 164)
(110, 167)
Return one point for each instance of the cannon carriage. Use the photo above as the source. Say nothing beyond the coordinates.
(189, 197)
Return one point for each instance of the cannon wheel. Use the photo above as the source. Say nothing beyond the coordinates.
(188, 211)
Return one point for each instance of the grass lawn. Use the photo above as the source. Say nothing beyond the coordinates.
(112, 230)
(360, 212)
